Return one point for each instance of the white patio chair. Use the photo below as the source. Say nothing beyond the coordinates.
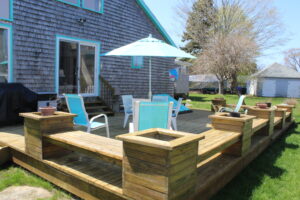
(175, 114)
(127, 103)
(76, 106)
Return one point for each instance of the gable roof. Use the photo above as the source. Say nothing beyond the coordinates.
(152, 17)
(277, 71)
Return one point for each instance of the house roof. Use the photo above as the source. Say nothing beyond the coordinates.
(277, 71)
(207, 78)
(152, 17)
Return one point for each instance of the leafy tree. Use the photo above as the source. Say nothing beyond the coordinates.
(199, 26)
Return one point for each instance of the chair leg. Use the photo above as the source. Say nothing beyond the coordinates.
(107, 131)
(88, 129)
(174, 123)
(125, 120)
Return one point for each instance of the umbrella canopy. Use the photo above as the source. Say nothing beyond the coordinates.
(149, 47)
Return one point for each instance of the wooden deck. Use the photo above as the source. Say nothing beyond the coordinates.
(94, 168)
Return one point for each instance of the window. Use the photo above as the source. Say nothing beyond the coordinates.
(137, 62)
(6, 10)
(5, 54)
(77, 66)
(93, 5)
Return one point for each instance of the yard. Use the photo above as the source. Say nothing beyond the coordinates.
(273, 175)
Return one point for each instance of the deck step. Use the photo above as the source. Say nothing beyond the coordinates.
(93, 108)
(108, 113)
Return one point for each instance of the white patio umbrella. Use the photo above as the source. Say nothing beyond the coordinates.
(149, 47)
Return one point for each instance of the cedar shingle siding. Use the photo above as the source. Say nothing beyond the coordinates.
(37, 22)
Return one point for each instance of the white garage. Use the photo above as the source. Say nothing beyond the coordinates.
(275, 81)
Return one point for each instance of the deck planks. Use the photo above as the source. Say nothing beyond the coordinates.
(277, 120)
(110, 150)
(258, 124)
(14, 141)
(216, 141)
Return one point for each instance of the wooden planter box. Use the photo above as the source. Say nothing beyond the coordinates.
(159, 164)
(243, 124)
(36, 125)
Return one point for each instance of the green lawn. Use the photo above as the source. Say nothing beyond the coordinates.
(273, 175)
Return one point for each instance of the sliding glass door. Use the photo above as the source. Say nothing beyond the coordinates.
(87, 69)
(78, 69)
(5, 54)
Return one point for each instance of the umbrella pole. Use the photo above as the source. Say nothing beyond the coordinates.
(150, 78)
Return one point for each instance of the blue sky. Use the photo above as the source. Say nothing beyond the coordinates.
(288, 10)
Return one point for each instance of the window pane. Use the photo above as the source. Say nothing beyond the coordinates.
(93, 4)
(4, 9)
(3, 55)
(137, 62)
(87, 69)
(68, 55)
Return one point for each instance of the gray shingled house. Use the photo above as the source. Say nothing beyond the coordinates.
(275, 81)
(54, 46)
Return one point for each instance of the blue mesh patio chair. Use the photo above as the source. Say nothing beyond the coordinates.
(127, 103)
(237, 108)
(160, 98)
(151, 115)
(76, 106)
(175, 114)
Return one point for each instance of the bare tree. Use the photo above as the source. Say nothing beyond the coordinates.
(225, 56)
(292, 58)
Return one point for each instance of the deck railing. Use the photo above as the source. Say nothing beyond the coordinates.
(107, 92)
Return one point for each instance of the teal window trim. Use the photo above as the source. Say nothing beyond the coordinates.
(10, 51)
(80, 3)
(137, 66)
(152, 17)
(74, 39)
(101, 9)
(11, 12)
(73, 4)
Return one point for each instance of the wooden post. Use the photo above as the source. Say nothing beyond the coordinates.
(5, 155)
(243, 124)
(159, 164)
(279, 112)
(268, 113)
(289, 108)
(35, 126)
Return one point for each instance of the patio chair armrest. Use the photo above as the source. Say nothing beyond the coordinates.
(98, 116)
(131, 127)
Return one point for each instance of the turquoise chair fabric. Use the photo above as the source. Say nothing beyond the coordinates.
(239, 104)
(182, 107)
(76, 106)
(153, 115)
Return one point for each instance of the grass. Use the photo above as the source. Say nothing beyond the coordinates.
(275, 174)
(11, 175)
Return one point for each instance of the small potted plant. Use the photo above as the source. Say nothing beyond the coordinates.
(262, 105)
(48, 110)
